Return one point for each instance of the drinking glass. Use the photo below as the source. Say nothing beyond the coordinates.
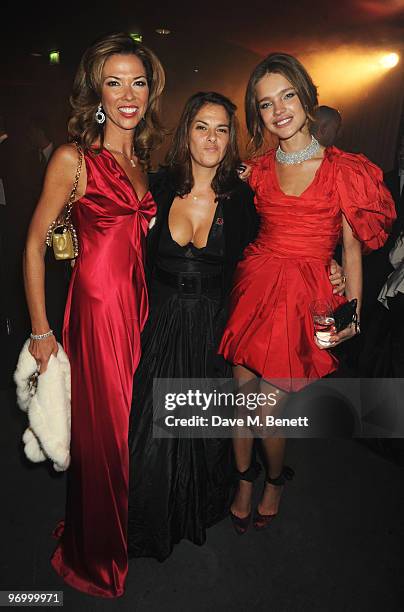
(323, 321)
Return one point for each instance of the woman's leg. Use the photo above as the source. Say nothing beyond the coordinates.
(274, 448)
(274, 452)
(247, 382)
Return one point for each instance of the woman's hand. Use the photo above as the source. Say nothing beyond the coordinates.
(336, 338)
(352, 260)
(41, 350)
(243, 171)
(337, 278)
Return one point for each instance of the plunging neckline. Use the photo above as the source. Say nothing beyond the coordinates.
(190, 243)
(125, 176)
(311, 184)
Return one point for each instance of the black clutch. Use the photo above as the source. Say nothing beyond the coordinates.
(345, 314)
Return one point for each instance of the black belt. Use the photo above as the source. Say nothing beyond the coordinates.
(189, 282)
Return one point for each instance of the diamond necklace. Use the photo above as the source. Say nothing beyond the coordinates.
(130, 159)
(297, 157)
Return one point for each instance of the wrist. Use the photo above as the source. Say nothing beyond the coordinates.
(42, 336)
(40, 328)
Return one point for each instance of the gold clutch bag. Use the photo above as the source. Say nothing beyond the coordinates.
(61, 235)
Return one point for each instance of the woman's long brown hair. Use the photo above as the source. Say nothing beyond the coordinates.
(86, 95)
(178, 158)
(289, 67)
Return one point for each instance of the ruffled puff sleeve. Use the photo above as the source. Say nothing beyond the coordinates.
(364, 199)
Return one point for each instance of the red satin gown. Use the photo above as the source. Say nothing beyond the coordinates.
(270, 329)
(106, 310)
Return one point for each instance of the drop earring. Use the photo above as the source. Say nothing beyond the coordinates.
(100, 115)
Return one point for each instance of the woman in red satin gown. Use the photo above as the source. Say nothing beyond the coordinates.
(115, 121)
(307, 197)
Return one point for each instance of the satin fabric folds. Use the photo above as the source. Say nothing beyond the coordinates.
(270, 328)
(106, 310)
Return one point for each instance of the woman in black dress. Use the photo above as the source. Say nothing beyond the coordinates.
(206, 217)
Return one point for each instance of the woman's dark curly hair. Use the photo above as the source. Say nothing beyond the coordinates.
(178, 158)
(86, 95)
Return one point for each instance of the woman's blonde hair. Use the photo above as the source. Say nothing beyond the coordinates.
(86, 95)
(289, 67)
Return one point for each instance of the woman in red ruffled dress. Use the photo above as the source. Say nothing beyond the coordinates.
(307, 197)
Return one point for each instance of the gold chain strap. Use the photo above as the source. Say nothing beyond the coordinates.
(70, 202)
(64, 219)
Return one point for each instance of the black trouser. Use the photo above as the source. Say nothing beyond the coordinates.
(396, 308)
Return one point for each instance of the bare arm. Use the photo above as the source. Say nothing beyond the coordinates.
(56, 190)
(352, 263)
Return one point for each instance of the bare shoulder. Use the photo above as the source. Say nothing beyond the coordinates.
(65, 155)
(62, 168)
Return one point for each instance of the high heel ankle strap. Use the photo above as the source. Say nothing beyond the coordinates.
(286, 474)
(250, 474)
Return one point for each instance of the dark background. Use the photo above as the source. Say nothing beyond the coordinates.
(336, 545)
(215, 45)
(212, 46)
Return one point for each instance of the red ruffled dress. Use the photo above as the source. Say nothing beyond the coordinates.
(270, 329)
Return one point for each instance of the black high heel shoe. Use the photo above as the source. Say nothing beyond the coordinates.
(261, 521)
(241, 524)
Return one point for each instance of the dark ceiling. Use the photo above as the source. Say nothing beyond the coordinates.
(259, 26)
(212, 45)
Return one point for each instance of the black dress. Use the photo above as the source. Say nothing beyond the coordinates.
(179, 487)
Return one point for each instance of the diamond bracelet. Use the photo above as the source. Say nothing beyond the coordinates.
(41, 336)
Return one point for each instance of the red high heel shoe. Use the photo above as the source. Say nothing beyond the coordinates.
(261, 521)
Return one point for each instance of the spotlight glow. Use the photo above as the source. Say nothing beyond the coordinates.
(390, 60)
(347, 72)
